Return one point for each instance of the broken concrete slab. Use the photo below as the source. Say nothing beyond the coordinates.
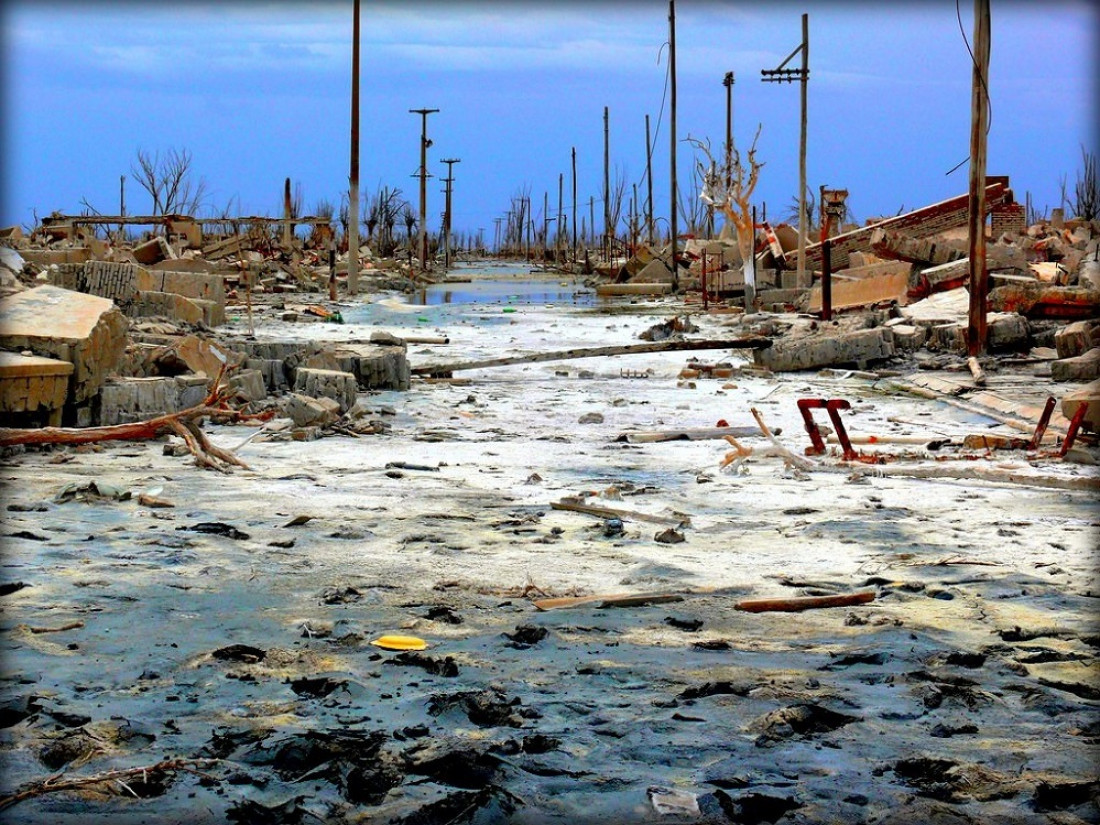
(1088, 394)
(171, 306)
(248, 385)
(896, 245)
(1084, 367)
(828, 349)
(316, 383)
(305, 411)
(153, 250)
(85, 330)
(32, 388)
(891, 287)
(1039, 300)
(1077, 338)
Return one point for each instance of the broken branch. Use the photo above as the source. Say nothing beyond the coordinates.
(798, 603)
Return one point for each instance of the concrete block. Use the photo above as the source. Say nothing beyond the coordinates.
(125, 400)
(153, 250)
(947, 337)
(85, 330)
(1090, 394)
(1076, 338)
(305, 411)
(317, 383)
(1007, 331)
(33, 389)
(273, 372)
(249, 385)
(48, 257)
(1084, 367)
(907, 337)
(828, 349)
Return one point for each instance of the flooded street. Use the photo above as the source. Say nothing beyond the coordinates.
(234, 629)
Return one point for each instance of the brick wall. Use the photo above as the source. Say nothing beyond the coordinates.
(1008, 219)
(922, 223)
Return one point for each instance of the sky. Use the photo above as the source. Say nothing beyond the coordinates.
(260, 91)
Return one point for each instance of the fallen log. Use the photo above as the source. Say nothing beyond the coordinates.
(799, 603)
(689, 434)
(613, 600)
(615, 512)
(184, 423)
(445, 370)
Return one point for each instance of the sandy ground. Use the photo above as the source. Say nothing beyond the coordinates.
(967, 691)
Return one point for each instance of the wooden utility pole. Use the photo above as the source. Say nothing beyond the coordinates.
(672, 136)
(558, 235)
(447, 211)
(286, 213)
(649, 184)
(574, 206)
(424, 144)
(606, 184)
(728, 82)
(545, 224)
(804, 278)
(496, 235)
(781, 75)
(979, 113)
(353, 181)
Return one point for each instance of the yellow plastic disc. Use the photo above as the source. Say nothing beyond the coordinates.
(400, 643)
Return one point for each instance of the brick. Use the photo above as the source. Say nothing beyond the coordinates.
(900, 246)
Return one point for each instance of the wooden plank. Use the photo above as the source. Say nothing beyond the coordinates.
(688, 434)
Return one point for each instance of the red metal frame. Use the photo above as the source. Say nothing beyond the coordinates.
(833, 406)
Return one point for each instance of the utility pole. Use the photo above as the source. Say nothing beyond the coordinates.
(606, 183)
(353, 193)
(649, 184)
(286, 213)
(728, 82)
(672, 135)
(447, 211)
(780, 75)
(424, 144)
(496, 235)
(592, 215)
(979, 112)
(545, 224)
(574, 205)
(558, 234)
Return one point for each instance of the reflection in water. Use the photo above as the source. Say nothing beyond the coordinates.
(510, 292)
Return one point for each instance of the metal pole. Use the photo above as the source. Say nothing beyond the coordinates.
(649, 183)
(672, 135)
(353, 191)
(424, 144)
(979, 109)
(804, 279)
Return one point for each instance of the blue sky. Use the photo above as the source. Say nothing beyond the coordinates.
(259, 91)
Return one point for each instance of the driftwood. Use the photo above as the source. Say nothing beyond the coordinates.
(444, 370)
(976, 370)
(615, 512)
(793, 459)
(55, 783)
(798, 603)
(690, 434)
(185, 424)
(613, 600)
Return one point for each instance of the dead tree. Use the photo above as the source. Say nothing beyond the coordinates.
(168, 182)
(734, 200)
(185, 424)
